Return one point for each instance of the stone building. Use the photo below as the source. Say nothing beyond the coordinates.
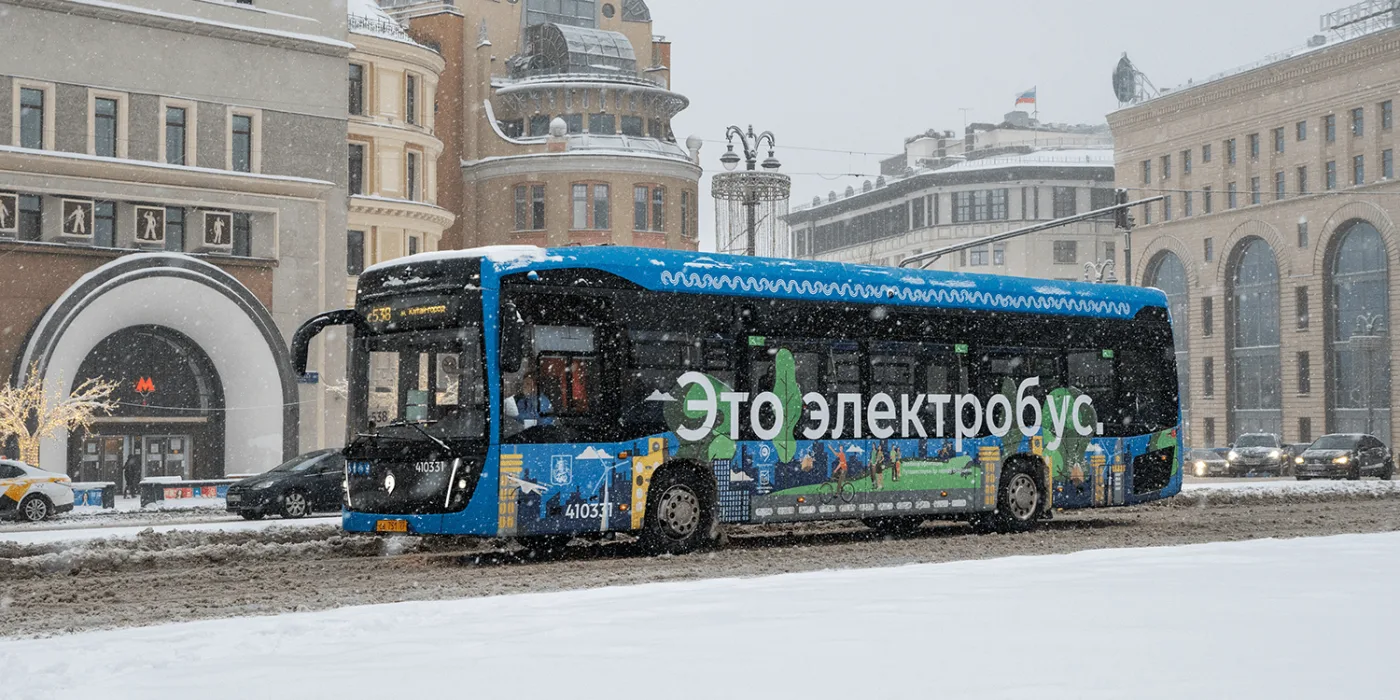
(1277, 239)
(556, 124)
(172, 177)
(947, 190)
(393, 150)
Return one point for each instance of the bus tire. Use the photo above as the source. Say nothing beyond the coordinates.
(1020, 502)
(681, 515)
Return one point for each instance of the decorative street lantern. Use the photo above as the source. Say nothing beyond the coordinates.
(751, 205)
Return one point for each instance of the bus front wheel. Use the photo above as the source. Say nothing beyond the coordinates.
(680, 515)
(1020, 503)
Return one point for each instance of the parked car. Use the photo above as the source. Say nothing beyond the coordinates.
(1345, 455)
(1257, 452)
(32, 494)
(307, 484)
(1207, 463)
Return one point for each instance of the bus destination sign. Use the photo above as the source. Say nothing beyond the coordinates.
(412, 313)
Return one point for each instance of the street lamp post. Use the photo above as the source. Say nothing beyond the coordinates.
(1100, 272)
(1368, 340)
(751, 189)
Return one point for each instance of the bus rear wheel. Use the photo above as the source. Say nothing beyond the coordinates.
(1020, 503)
(680, 515)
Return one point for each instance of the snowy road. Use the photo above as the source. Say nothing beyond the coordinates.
(78, 532)
(1248, 620)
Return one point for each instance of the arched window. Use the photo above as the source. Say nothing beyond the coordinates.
(1359, 333)
(1169, 275)
(1256, 388)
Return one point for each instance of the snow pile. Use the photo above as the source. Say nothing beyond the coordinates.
(1249, 620)
(1285, 491)
(86, 532)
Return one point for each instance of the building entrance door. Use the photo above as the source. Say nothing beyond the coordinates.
(167, 455)
(102, 459)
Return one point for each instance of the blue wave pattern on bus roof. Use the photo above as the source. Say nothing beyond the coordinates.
(870, 292)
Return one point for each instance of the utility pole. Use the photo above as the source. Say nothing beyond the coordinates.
(1124, 221)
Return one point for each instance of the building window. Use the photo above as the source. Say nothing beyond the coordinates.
(410, 98)
(104, 127)
(1208, 317)
(104, 224)
(1231, 152)
(1302, 131)
(1358, 170)
(1066, 252)
(1206, 195)
(539, 125)
(31, 118)
(998, 254)
(591, 207)
(1186, 162)
(916, 214)
(1208, 377)
(529, 208)
(1188, 204)
(633, 126)
(688, 210)
(578, 13)
(31, 217)
(1358, 122)
(981, 205)
(357, 168)
(1329, 128)
(1280, 185)
(357, 89)
(574, 122)
(412, 245)
(1167, 208)
(242, 234)
(1305, 433)
(980, 257)
(355, 253)
(1331, 174)
(1254, 146)
(1278, 140)
(1147, 214)
(1232, 195)
(602, 124)
(411, 174)
(1210, 431)
(1064, 202)
(1205, 153)
(175, 229)
(512, 128)
(1387, 115)
(175, 125)
(1300, 296)
(1302, 180)
(1166, 168)
(242, 143)
(1147, 172)
(1304, 373)
(1302, 233)
(1209, 249)
(1255, 195)
(1388, 164)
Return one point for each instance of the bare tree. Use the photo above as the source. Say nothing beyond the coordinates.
(31, 414)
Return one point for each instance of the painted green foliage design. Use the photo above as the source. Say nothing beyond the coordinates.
(1069, 457)
(790, 397)
(1165, 440)
(715, 446)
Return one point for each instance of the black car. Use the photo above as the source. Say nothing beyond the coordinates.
(296, 489)
(1257, 453)
(1350, 456)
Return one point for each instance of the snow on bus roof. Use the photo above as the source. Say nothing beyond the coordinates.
(717, 273)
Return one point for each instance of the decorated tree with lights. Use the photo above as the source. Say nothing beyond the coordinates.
(30, 413)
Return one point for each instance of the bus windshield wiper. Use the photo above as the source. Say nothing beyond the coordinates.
(418, 425)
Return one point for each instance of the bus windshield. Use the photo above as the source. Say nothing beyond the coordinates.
(422, 381)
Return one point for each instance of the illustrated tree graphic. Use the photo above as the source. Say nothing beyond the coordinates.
(30, 413)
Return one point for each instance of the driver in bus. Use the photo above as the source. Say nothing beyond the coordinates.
(527, 405)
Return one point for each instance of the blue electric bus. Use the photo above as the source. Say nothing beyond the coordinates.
(545, 394)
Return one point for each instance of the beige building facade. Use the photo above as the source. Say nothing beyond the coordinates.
(394, 154)
(1277, 241)
(556, 124)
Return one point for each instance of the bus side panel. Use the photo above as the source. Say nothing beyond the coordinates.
(484, 514)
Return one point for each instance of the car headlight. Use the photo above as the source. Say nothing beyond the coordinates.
(1200, 468)
(1297, 460)
(263, 485)
(1233, 456)
(1275, 454)
(1344, 459)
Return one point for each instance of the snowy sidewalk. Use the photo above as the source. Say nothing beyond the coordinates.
(1265, 619)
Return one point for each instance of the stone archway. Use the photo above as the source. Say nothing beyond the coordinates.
(204, 304)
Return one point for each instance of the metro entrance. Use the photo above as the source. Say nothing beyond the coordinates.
(161, 456)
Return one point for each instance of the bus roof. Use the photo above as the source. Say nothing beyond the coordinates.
(732, 275)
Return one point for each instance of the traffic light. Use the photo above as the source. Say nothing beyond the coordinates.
(1121, 218)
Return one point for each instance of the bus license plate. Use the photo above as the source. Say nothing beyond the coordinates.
(391, 526)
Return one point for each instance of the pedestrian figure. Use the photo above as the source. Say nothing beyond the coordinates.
(895, 458)
(131, 475)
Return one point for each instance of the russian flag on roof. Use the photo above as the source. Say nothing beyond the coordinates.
(1026, 98)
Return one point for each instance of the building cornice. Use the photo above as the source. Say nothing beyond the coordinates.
(186, 24)
(592, 164)
(77, 165)
(1313, 67)
(365, 127)
(370, 46)
(401, 209)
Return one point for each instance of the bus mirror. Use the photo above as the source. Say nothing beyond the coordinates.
(512, 339)
(301, 341)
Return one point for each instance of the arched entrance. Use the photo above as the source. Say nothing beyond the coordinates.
(1168, 274)
(170, 408)
(205, 308)
(1256, 387)
(1358, 332)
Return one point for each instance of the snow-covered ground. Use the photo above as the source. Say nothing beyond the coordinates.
(1291, 485)
(1264, 619)
(82, 534)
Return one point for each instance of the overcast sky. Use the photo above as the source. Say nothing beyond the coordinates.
(862, 76)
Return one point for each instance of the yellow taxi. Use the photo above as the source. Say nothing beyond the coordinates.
(28, 493)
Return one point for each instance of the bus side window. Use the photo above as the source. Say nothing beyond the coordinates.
(1091, 372)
